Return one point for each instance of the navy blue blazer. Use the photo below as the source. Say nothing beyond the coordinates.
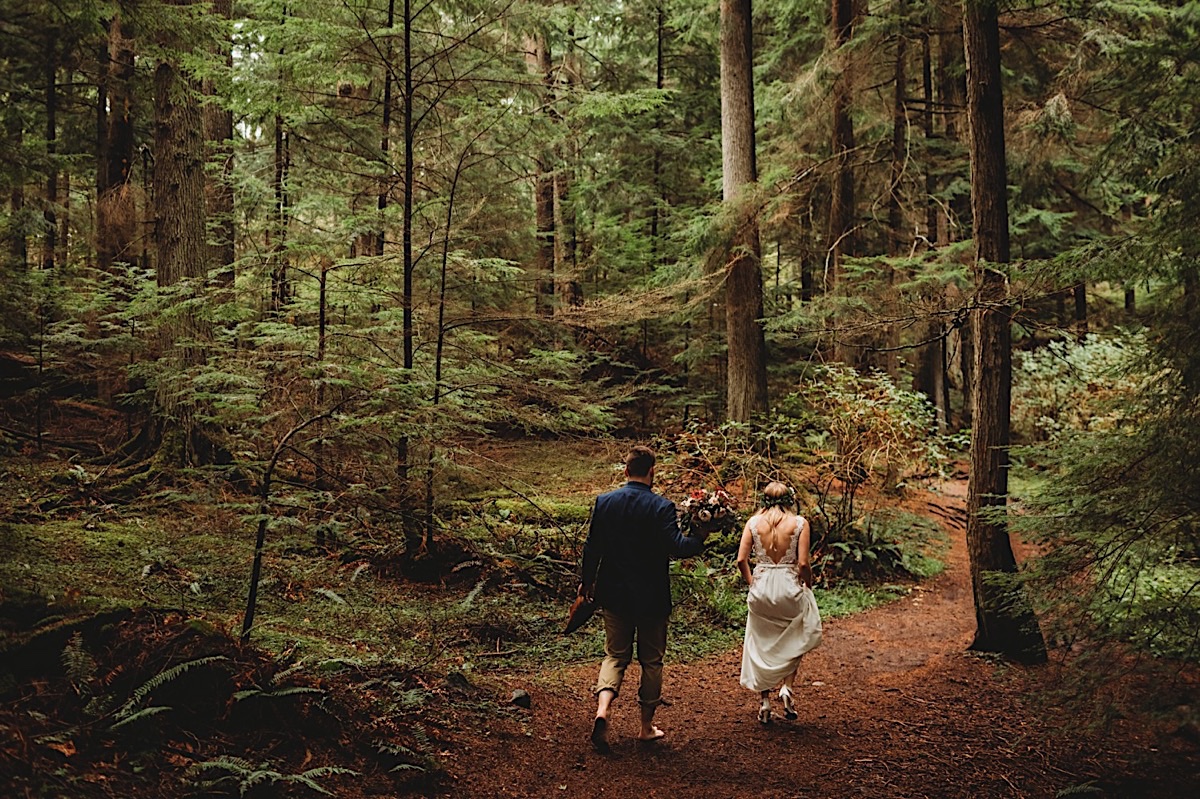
(634, 533)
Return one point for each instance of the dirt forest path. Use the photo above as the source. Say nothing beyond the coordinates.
(889, 706)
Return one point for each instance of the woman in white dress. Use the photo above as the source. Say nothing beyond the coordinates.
(782, 621)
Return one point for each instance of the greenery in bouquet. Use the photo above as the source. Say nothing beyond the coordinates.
(708, 512)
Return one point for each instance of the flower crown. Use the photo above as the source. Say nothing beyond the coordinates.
(783, 501)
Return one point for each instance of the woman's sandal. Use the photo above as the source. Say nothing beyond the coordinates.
(789, 707)
(764, 714)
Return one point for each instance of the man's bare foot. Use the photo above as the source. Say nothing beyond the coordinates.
(653, 734)
(600, 735)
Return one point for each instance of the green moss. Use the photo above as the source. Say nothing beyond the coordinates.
(560, 511)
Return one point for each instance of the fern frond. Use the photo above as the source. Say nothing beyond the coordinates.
(79, 664)
(258, 777)
(469, 600)
(330, 594)
(234, 765)
(292, 690)
(249, 775)
(286, 673)
(162, 678)
(144, 713)
(309, 778)
(407, 767)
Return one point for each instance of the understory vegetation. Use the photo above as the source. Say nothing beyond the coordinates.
(322, 325)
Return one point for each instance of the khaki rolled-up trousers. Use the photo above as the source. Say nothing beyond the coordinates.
(619, 635)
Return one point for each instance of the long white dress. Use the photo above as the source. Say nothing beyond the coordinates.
(782, 622)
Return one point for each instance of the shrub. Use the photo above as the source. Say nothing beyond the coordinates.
(1074, 385)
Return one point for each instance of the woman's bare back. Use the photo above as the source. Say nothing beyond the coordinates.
(776, 538)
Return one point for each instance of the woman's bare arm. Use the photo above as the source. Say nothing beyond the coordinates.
(743, 557)
(803, 558)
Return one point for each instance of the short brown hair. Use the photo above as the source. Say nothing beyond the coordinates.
(639, 461)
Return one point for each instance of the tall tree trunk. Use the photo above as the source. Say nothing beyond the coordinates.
(952, 92)
(280, 263)
(101, 133)
(406, 221)
(116, 207)
(181, 240)
(412, 531)
(278, 231)
(930, 372)
(63, 239)
(540, 63)
(50, 211)
(932, 211)
(747, 360)
(439, 349)
(897, 234)
(324, 534)
(566, 244)
(1004, 621)
(385, 136)
(809, 253)
(841, 236)
(951, 80)
(658, 201)
(218, 132)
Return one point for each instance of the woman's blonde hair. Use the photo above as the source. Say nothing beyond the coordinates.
(777, 499)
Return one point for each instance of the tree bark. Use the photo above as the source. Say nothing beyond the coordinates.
(841, 236)
(50, 210)
(951, 81)
(1004, 621)
(897, 234)
(747, 365)
(930, 372)
(181, 240)
(385, 134)
(280, 282)
(218, 132)
(540, 63)
(565, 238)
(932, 211)
(887, 360)
(116, 208)
(277, 232)
(412, 532)
(408, 180)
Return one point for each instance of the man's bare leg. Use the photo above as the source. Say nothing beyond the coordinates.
(604, 701)
(649, 731)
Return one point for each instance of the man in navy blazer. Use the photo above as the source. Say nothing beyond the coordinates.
(634, 534)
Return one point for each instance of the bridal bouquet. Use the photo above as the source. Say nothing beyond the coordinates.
(707, 512)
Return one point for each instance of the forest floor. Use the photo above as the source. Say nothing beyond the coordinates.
(891, 705)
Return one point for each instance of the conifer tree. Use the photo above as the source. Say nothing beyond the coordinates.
(747, 367)
(1004, 621)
